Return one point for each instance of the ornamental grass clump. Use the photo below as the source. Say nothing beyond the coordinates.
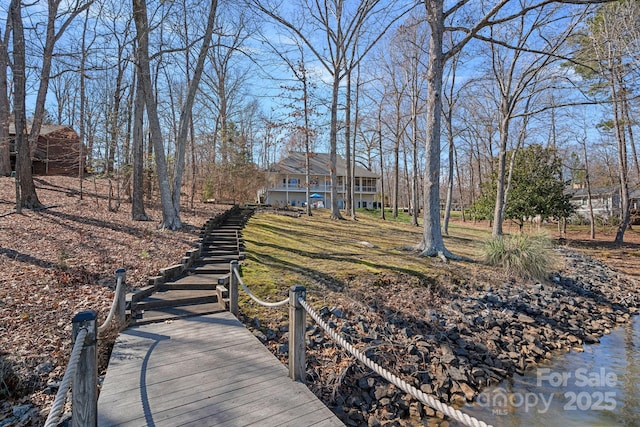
(528, 256)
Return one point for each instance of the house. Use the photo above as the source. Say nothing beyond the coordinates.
(286, 183)
(604, 200)
(56, 153)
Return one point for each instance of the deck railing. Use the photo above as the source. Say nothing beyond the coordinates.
(298, 308)
(81, 375)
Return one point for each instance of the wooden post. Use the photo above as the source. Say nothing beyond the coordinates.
(84, 404)
(297, 329)
(121, 274)
(233, 289)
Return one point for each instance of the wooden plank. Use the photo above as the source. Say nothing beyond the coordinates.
(220, 352)
(207, 370)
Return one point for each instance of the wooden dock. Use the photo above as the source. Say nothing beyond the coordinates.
(202, 371)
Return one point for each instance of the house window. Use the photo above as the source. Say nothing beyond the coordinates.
(368, 185)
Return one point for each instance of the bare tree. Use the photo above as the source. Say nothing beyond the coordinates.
(339, 37)
(432, 243)
(170, 199)
(24, 180)
(29, 198)
(5, 109)
(137, 197)
(587, 178)
(604, 61)
(515, 72)
(410, 41)
(452, 98)
(393, 95)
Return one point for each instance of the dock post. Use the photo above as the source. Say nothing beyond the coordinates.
(297, 329)
(84, 404)
(233, 289)
(121, 318)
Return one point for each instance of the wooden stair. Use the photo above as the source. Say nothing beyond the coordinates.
(200, 288)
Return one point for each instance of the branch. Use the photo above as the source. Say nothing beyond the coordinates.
(486, 20)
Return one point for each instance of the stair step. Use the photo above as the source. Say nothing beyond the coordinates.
(170, 313)
(205, 281)
(222, 245)
(205, 286)
(176, 298)
(220, 239)
(220, 253)
(209, 269)
(214, 258)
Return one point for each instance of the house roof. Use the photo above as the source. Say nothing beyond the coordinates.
(319, 163)
(597, 191)
(634, 193)
(44, 130)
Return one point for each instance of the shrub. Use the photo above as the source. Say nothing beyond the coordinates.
(524, 255)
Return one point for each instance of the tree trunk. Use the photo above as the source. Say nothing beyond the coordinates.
(185, 113)
(170, 217)
(414, 179)
(349, 202)
(333, 139)
(379, 125)
(592, 218)
(625, 217)
(5, 109)
(498, 212)
(25, 189)
(356, 124)
(307, 138)
(137, 197)
(449, 201)
(629, 126)
(83, 103)
(462, 205)
(432, 243)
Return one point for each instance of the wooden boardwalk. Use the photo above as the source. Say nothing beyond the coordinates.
(202, 371)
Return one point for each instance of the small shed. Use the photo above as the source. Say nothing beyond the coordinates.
(56, 153)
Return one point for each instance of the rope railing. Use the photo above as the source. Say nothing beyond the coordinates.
(298, 307)
(61, 396)
(118, 303)
(81, 375)
(236, 273)
(392, 378)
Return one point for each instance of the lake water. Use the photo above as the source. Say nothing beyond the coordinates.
(599, 387)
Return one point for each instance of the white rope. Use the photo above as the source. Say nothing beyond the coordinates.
(392, 378)
(255, 298)
(61, 397)
(112, 311)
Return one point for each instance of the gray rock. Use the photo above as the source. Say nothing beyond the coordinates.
(44, 368)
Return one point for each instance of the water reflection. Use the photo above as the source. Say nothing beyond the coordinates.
(599, 387)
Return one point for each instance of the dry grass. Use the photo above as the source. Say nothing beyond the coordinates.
(523, 255)
(343, 256)
(340, 256)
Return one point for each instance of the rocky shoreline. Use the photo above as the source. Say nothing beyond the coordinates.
(462, 340)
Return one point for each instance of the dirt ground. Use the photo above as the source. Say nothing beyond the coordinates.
(60, 260)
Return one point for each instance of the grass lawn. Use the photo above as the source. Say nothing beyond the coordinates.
(329, 255)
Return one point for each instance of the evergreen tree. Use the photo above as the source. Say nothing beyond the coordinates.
(536, 188)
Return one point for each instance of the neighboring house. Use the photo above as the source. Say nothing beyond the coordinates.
(605, 201)
(57, 151)
(286, 183)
